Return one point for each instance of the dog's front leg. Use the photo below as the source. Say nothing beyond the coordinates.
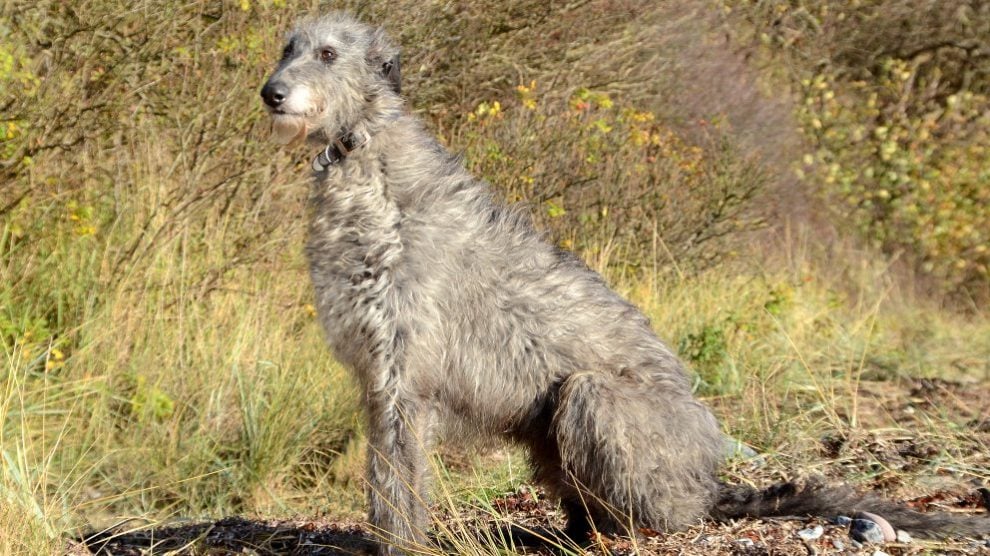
(397, 471)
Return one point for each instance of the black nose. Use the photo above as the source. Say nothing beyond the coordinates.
(274, 93)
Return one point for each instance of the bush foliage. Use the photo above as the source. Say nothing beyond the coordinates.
(614, 183)
(896, 105)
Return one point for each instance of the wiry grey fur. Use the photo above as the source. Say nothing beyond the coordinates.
(451, 309)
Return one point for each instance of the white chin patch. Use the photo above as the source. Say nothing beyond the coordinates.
(287, 128)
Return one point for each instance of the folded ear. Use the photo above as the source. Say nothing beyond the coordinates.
(392, 72)
(384, 56)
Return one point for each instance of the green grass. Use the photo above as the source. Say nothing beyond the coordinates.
(235, 406)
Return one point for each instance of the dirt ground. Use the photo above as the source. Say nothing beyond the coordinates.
(912, 404)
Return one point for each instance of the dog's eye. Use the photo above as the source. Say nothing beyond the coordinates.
(327, 55)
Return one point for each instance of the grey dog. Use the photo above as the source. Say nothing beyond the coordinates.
(452, 310)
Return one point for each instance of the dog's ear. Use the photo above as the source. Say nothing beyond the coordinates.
(384, 56)
(391, 71)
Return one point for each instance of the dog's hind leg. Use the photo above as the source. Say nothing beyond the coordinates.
(638, 450)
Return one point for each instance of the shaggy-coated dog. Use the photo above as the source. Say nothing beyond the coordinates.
(452, 310)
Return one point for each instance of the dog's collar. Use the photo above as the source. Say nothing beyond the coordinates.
(338, 149)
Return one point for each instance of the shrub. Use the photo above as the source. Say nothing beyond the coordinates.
(896, 103)
(612, 181)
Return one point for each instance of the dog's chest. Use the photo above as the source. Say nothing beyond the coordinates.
(352, 248)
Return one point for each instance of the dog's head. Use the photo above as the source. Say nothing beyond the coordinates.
(332, 68)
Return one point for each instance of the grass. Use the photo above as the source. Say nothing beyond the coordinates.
(235, 406)
(160, 355)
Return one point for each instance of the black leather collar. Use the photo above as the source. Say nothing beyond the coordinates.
(339, 149)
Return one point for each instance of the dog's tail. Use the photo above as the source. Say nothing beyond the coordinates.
(813, 497)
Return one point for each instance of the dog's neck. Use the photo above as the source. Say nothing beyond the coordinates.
(382, 111)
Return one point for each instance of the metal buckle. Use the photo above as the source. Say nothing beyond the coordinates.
(320, 166)
(344, 149)
(336, 151)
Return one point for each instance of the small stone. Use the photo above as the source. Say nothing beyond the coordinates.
(880, 553)
(903, 537)
(811, 533)
(744, 542)
(842, 520)
(888, 530)
(735, 449)
(866, 531)
(838, 544)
